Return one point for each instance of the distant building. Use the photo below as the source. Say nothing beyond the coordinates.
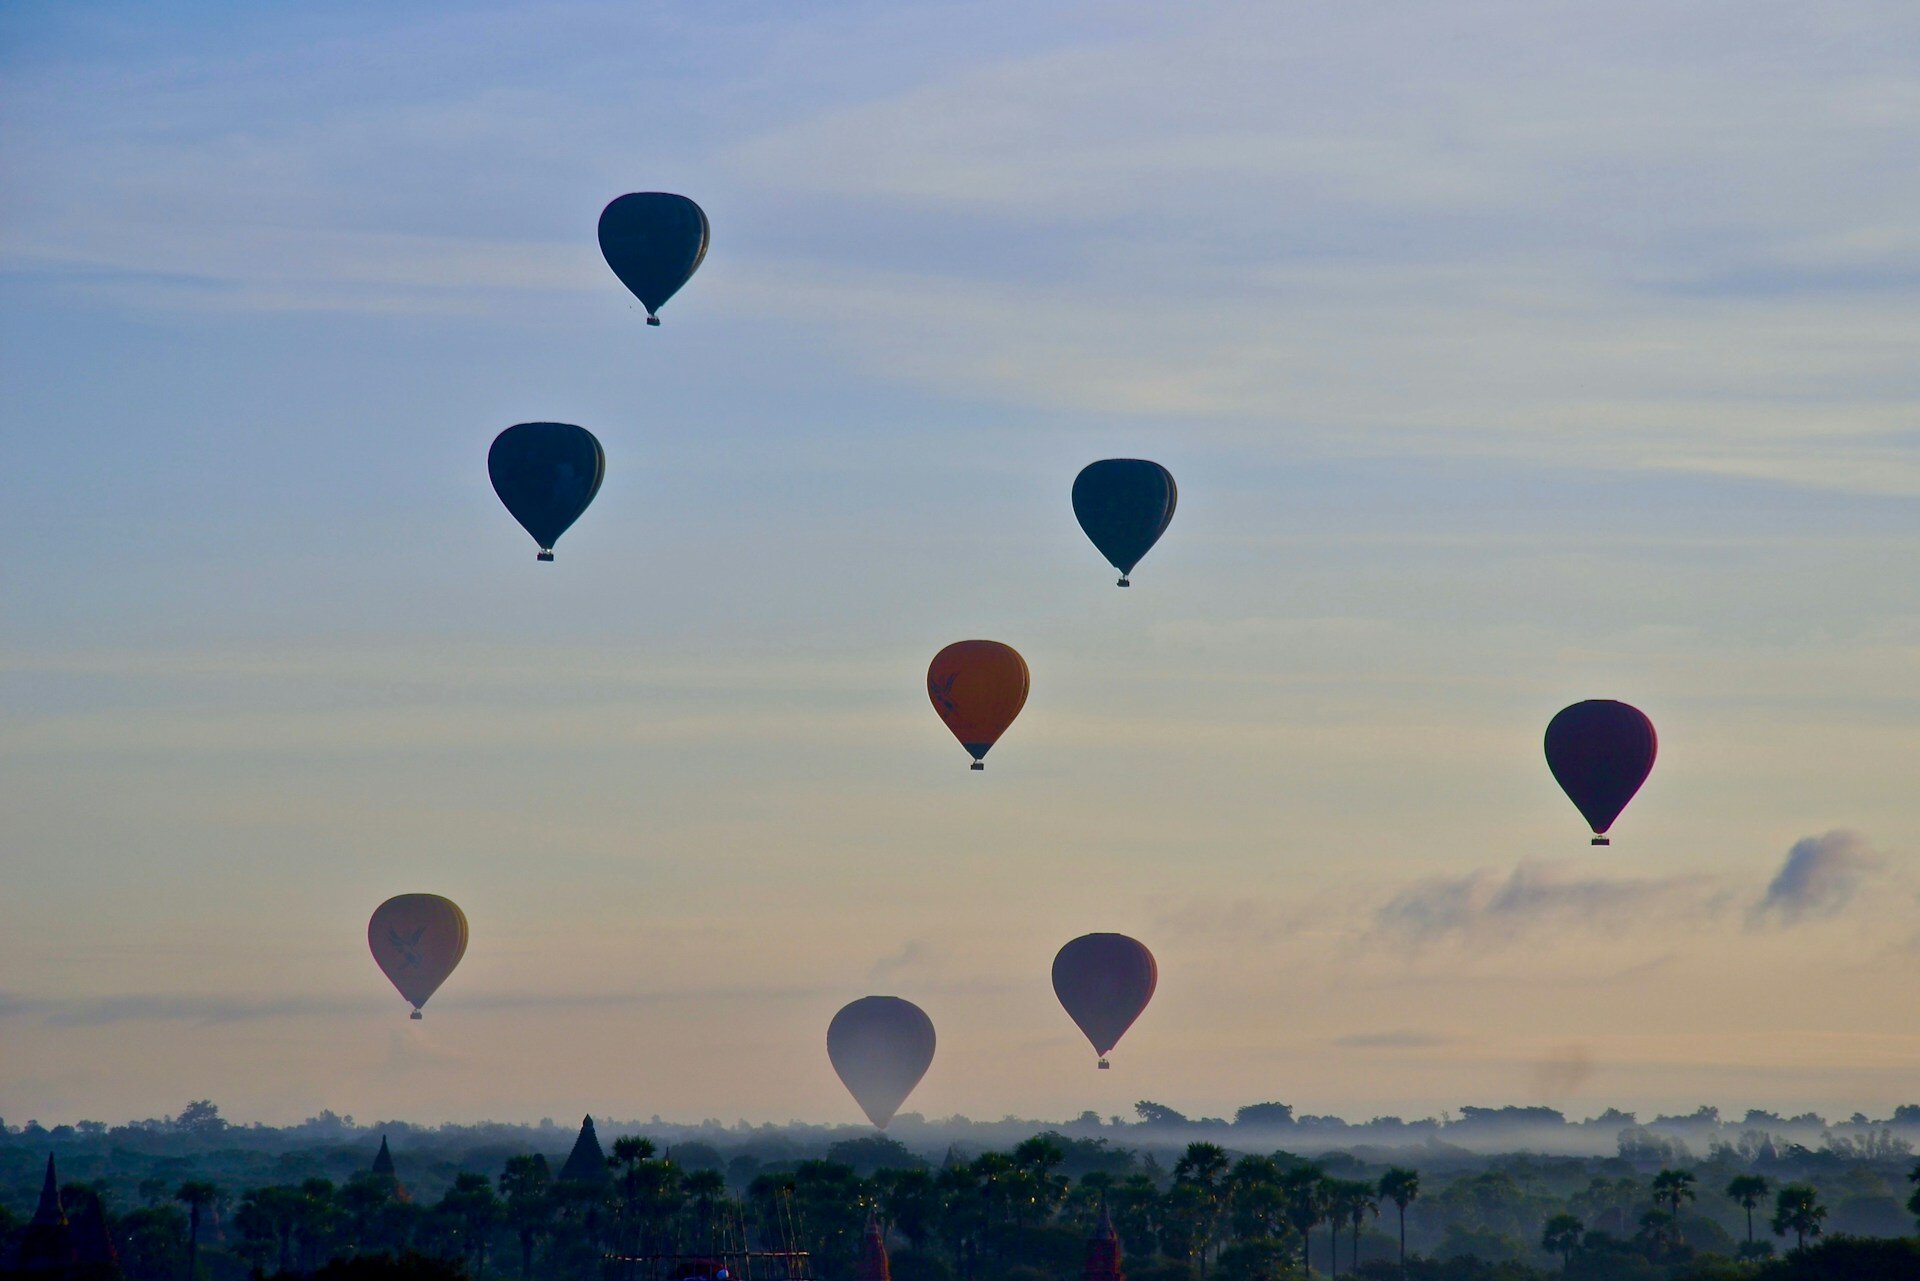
(873, 1254)
(1103, 1251)
(383, 1169)
(46, 1245)
(587, 1163)
(95, 1259)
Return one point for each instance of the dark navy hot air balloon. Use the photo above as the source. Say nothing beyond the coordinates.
(881, 1046)
(546, 474)
(1104, 981)
(1124, 504)
(654, 242)
(1600, 752)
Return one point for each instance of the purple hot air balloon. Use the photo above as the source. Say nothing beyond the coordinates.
(1104, 981)
(1600, 752)
(881, 1046)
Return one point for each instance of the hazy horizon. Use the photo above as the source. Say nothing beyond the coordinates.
(1506, 356)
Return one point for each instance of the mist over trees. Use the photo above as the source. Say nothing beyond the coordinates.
(1504, 1193)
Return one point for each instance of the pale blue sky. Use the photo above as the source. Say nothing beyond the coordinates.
(1506, 354)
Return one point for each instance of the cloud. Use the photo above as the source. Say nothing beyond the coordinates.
(1819, 878)
(135, 1007)
(1563, 1071)
(913, 954)
(1399, 1039)
(1484, 907)
(103, 1011)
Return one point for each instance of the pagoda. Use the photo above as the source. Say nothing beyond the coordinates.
(873, 1253)
(587, 1163)
(1103, 1251)
(46, 1245)
(383, 1170)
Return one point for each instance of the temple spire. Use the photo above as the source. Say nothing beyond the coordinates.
(873, 1253)
(50, 1213)
(46, 1243)
(1103, 1251)
(587, 1163)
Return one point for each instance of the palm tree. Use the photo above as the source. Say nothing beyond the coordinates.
(1561, 1236)
(630, 1153)
(1673, 1188)
(1361, 1200)
(527, 1185)
(472, 1209)
(1401, 1186)
(1797, 1209)
(1305, 1189)
(1198, 1180)
(196, 1197)
(1749, 1190)
(706, 1187)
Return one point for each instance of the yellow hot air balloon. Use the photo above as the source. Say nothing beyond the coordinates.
(416, 940)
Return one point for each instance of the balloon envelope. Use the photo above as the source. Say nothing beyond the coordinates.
(546, 474)
(881, 1046)
(654, 242)
(1600, 752)
(417, 939)
(1124, 504)
(978, 687)
(1104, 981)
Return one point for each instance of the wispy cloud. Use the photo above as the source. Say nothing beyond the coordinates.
(1820, 877)
(102, 1011)
(1563, 1071)
(912, 955)
(1401, 1039)
(1485, 907)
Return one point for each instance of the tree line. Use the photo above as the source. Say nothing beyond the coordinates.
(1020, 1214)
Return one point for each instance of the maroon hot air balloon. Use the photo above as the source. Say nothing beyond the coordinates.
(881, 1046)
(1600, 752)
(1104, 981)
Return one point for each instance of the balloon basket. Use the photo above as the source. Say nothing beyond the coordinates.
(1601, 840)
(1123, 583)
(1104, 1065)
(978, 765)
(416, 1015)
(654, 321)
(544, 556)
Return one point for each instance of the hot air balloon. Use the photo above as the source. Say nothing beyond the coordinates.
(1124, 504)
(417, 939)
(654, 242)
(1600, 752)
(978, 687)
(546, 474)
(881, 1046)
(1104, 981)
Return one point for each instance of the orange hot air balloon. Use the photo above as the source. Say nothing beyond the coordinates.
(978, 687)
(417, 939)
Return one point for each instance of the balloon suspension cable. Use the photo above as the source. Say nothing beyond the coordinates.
(416, 1015)
(1123, 582)
(545, 554)
(978, 765)
(1104, 1065)
(1601, 840)
(653, 319)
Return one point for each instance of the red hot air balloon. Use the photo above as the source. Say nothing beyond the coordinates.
(1104, 981)
(978, 687)
(881, 1046)
(1600, 752)
(416, 940)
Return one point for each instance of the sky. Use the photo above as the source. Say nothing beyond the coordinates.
(1506, 355)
